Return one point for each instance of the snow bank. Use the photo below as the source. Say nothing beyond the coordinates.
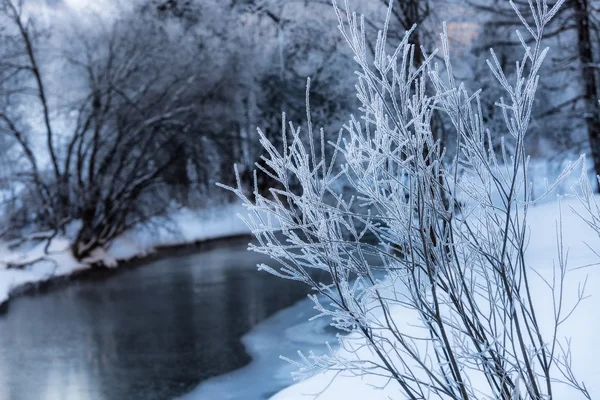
(582, 327)
(182, 227)
(43, 265)
(284, 333)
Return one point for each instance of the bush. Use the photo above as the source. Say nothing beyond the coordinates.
(450, 232)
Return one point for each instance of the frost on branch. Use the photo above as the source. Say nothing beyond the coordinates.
(441, 298)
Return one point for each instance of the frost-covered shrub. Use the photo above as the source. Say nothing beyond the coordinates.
(450, 232)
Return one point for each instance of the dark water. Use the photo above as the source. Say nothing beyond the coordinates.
(152, 332)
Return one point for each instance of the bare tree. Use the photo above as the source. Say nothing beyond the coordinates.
(583, 14)
(125, 124)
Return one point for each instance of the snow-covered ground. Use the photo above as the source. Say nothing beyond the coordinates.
(184, 226)
(582, 327)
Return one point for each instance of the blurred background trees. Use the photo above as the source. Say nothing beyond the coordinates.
(113, 116)
(567, 116)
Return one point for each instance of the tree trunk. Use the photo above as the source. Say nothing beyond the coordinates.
(588, 74)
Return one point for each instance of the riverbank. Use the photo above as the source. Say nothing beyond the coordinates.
(41, 263)
(283, 334)
(582, 326)
(150, 330)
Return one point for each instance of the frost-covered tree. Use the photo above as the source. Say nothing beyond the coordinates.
(111, 118)
(441, 300)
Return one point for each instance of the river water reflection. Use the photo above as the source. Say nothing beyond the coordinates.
(152, 332)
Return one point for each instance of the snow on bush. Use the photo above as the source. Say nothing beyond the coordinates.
(439, 237)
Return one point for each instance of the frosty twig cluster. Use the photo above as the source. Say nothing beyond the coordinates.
(425, 256)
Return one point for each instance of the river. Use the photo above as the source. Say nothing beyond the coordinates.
(150, 332)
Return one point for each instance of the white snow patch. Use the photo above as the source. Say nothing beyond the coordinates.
(184, 226)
